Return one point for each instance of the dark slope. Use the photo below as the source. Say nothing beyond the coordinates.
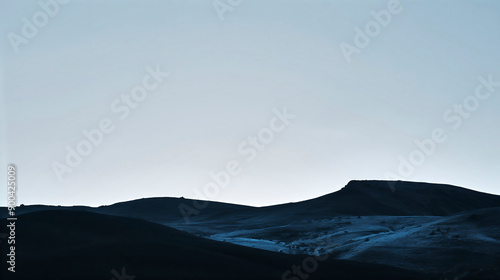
(20, 210)
(367, 198)
(63, 244)
(166, 209)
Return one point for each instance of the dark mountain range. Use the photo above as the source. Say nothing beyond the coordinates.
(376, 230)
(363, 198)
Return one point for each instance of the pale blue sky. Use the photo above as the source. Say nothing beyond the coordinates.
(353, 120)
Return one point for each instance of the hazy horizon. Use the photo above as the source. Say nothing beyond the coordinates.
(229, 202)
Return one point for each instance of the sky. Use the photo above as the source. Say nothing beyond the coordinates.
(248, 102)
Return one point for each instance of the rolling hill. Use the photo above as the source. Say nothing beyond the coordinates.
(62, 244)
